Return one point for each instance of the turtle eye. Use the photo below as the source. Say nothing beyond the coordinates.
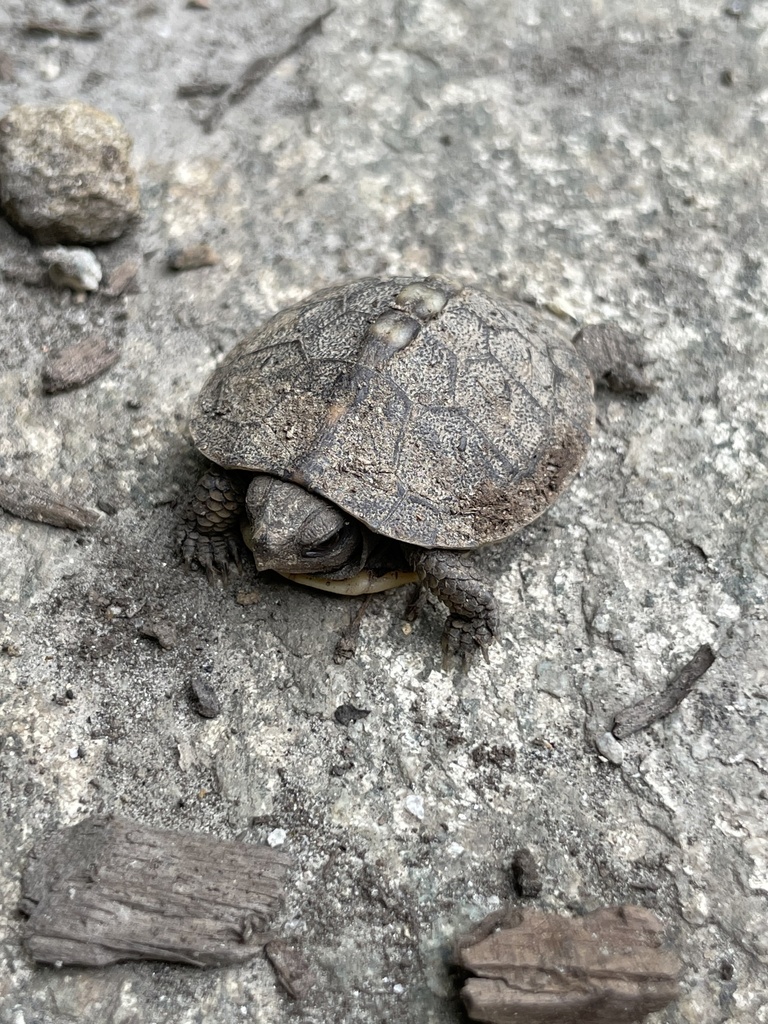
(331, 543)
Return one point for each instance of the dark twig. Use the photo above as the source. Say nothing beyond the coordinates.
(61, 28)
(659, 705)
(201, 87)
(258, 70)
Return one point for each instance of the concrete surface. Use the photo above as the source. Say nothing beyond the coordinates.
(606, 159)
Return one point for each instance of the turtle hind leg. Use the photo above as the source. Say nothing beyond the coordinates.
(474, 616)
(212, 524)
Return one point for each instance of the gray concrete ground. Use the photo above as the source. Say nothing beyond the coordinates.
(608, 159)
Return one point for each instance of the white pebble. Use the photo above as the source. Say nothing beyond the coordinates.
(610, 748)
(277, 837)
(73, 268)
(415, 806)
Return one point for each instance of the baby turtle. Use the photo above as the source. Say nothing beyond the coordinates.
(377, 430)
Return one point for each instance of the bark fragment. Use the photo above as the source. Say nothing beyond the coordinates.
(608, 967)
(24, 497)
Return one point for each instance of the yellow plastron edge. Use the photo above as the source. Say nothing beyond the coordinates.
(365, 582)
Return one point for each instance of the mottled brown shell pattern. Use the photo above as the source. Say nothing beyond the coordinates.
(435, 414)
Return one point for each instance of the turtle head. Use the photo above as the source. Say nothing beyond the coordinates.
(293, 531)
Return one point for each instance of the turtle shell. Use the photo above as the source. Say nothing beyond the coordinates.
(435, 414)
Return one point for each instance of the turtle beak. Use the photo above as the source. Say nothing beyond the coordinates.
(255, 541)
(264, 557)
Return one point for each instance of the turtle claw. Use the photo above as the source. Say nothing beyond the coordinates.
(217, 555)
(214, 575)
(461, 640)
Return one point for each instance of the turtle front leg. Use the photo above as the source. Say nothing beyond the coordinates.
(474, 615)
(212, 523)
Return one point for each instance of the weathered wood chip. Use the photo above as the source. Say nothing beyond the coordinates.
(192, 257)
(111, 889)
(26, 498)
(608, 967)
(291, 968)
(122, 277)
(78, 364)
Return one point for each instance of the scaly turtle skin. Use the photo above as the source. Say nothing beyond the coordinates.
(384, 427)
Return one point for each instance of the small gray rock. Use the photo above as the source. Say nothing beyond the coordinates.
(346, 714)
(65, 174)
(414, 804)
(292, 970)
(551, 679)
(525, 873)
(204, 699)
(161, 630)
(122, 278)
